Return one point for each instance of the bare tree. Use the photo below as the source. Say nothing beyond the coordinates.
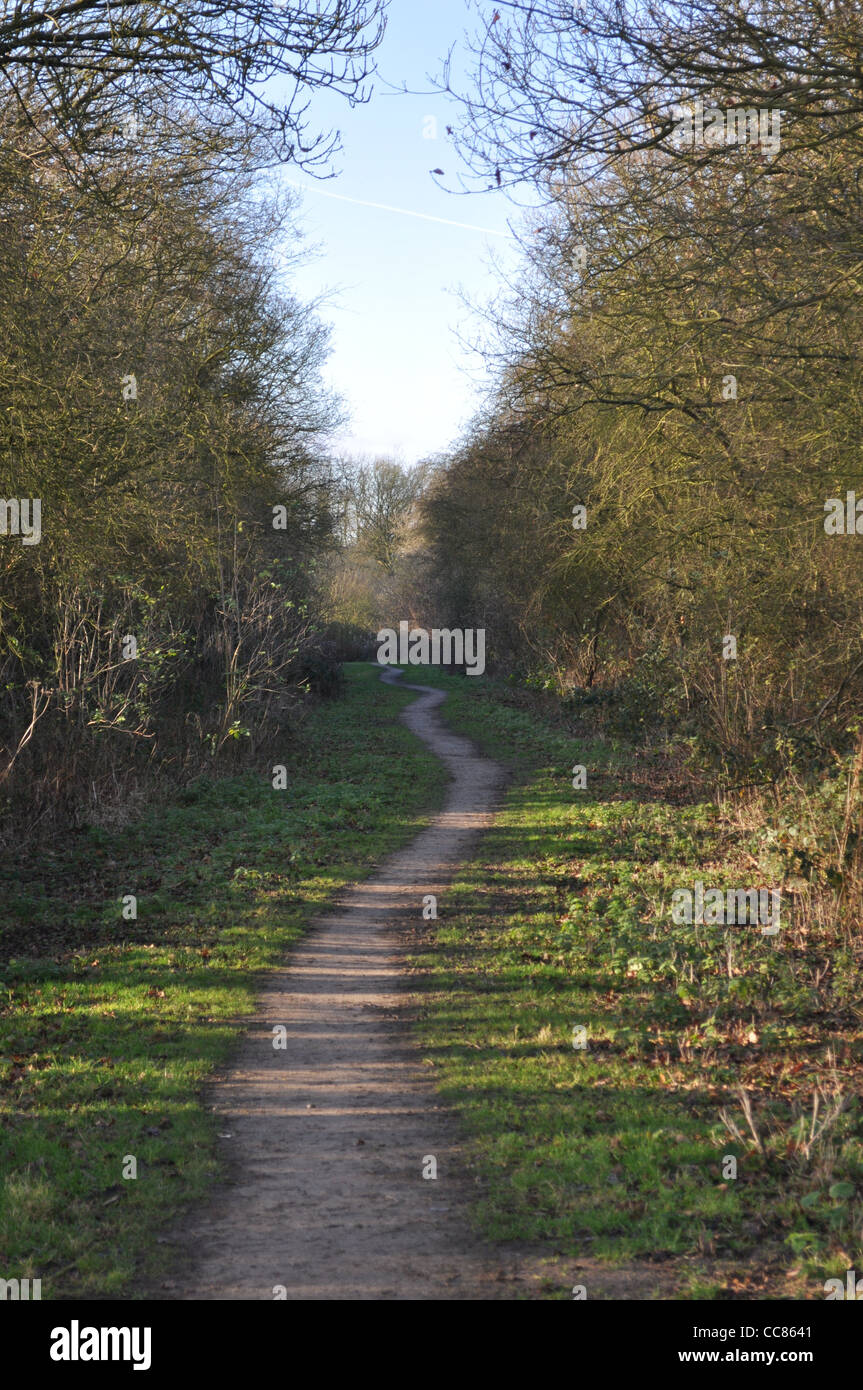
(381, 497)
(562, 89)
(88, 67)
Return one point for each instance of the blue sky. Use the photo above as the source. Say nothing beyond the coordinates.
(392, 279)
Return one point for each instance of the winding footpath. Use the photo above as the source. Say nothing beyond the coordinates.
(329, 1137)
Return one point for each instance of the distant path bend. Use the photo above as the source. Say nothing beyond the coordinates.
(329, 1136)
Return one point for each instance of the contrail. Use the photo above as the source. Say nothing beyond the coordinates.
(405, 212)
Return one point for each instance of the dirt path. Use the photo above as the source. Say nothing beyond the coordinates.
(328, 1137)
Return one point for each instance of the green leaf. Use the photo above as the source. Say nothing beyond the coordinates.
(842, 1191)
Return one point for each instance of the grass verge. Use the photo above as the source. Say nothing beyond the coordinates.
(614, 1069)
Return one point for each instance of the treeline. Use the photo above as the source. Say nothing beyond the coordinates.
(381, 565)
(166, 494)
(678, 368)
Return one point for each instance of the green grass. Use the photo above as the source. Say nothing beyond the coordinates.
(108, 1028)
(615, 1150)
